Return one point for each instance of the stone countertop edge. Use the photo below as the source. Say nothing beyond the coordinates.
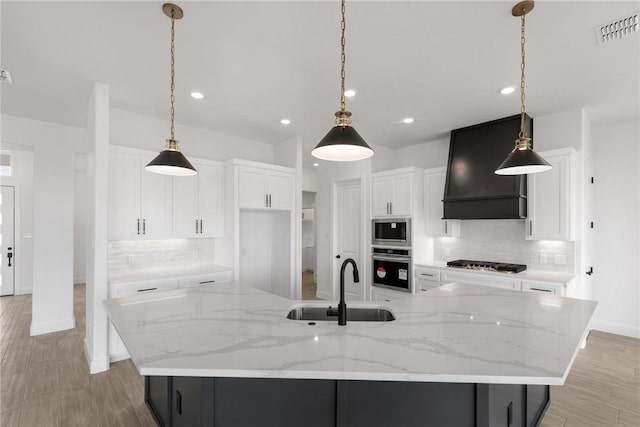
(232, 330)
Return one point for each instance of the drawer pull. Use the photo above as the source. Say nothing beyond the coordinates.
(427, 274)
(146, 290)
(541, 290)
(208, 281)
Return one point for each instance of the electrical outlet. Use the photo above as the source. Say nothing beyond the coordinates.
(543, 258)
(560, 259)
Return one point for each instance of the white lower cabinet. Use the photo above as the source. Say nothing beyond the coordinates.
(543, 287)
(385, 295)
(483, 280)
(117, 350)
(206, 279)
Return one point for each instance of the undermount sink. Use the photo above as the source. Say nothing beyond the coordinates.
(354, 314)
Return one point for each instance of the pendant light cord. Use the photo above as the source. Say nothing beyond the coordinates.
(343, 58)
(173, 86)
(523, 132)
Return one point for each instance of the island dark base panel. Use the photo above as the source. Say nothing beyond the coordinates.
(250, 402)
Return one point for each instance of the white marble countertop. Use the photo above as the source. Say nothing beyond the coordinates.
(122, 276)
(455, 333)
(545, 276)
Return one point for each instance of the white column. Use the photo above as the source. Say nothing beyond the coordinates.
(95, 343)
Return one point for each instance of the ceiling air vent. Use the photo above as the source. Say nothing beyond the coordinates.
(5, 76)
(618, 29)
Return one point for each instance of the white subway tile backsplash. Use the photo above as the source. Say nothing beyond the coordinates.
(503, 241)
(145, 254)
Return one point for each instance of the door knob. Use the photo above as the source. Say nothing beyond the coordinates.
(338, 256)
(9, 255)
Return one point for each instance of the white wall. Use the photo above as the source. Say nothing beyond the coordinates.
(22, 181)
(310, 179)
(427, 155)
(53, 206)
(81, 205)
(54, 148)
(148, 133)
(616, 279)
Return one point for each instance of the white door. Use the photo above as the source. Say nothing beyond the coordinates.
(7, 240)
(155, 203)
(281, 190)
(252, 185)
(124, 196)
(401, 195)
(185, 206)
(348, 220)
(210, 200)
(380, 196)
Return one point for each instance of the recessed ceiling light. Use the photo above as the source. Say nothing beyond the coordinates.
(285, 121)
(349, 93)
(315, 164)
(407, 120)
(197, 95)
(507, 90)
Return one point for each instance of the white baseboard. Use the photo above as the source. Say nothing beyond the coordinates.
(95, 365)
(616, 328)
(323, 295)
(118, 357)
(79, 280)
(55, 326)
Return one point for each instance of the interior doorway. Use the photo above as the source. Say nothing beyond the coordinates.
(7, 240)
(309, 254)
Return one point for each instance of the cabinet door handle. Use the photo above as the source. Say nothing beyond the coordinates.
(147, 290)
(138, 226)
(144, 226)
(388, 210)
(391, 208)
(178, 402)
(208, 281)
(446, 228)
(266, 200)
(530, 228)
(269, 200)
(541, 290)
(200, 226)
(196, 226)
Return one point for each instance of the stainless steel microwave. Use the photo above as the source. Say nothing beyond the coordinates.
(391, 232)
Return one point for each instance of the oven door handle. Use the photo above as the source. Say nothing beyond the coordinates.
(391, 258)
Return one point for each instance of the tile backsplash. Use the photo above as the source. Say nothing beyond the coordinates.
(149, 254)
(504, 241)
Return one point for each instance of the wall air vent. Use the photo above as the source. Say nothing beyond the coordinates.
(5, 76)
(618, 29)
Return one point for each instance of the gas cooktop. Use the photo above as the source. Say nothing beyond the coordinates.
(487, 266)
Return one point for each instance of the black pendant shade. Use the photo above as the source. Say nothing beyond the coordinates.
(171, 162)
(522, 161)
(342, 144)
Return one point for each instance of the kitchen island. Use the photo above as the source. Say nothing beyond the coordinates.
(456, 355)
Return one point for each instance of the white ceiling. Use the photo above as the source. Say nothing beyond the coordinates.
(257, 62)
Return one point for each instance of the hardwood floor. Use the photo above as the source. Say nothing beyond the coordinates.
(309, 288)
(44, 380)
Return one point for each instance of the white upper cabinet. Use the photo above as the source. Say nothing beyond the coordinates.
(550, 198)
(434, 182)
(392, 193)
(139, 201)
(260, 188)
(198, 202)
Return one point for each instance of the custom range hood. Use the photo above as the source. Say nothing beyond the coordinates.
(473, 190)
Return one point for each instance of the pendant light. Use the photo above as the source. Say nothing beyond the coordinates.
(342, 143)
(171, 161)
(522, 160)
